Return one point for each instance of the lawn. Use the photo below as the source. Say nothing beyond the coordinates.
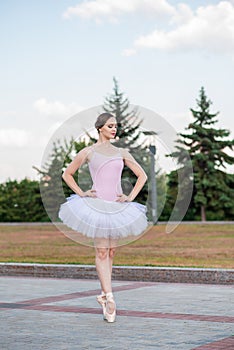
(194, 245)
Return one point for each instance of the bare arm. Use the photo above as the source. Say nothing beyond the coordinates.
(131, 163)
(67, 176)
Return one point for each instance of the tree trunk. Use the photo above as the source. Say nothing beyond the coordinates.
(203, 213)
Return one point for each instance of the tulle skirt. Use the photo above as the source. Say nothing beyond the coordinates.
(102, 220)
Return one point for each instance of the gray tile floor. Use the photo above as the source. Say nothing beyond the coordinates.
(149, 316)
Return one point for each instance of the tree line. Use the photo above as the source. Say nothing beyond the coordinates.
(206, 145)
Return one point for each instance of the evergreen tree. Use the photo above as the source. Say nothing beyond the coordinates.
(171, 198)
(127, 120)
(207, 148)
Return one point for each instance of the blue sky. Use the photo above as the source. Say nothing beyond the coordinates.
(59, 57)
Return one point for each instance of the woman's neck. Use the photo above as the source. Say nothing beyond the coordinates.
(103, 142)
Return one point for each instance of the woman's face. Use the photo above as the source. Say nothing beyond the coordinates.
(109, 129)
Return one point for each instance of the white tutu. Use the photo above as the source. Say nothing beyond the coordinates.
(99, 218)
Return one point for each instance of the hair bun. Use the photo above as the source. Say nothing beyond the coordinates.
(102, 119)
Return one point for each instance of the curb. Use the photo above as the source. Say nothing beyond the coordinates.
(121, 273)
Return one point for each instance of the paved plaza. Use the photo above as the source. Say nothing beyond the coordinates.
(62, 314)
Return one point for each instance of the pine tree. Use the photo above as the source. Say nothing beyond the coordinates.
(207, 147)
(127, 120)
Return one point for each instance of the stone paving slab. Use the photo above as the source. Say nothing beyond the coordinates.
(62, 314)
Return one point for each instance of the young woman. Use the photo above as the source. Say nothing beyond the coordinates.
(104, 213)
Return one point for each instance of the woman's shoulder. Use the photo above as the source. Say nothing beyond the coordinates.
(85, 153)
(118, 150)
(124, 151)
(127, 155)
(85, 150)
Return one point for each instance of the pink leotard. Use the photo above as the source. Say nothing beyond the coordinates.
(106, 174)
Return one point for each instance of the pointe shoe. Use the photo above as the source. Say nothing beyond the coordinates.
(101, 299)
(110, 317)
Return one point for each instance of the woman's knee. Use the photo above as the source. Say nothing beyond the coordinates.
(102, 253)
(111, 252)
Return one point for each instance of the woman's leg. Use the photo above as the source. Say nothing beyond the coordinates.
(111, 257)
(103, 268)
(104, 261)
(111, 305)
(105, 252)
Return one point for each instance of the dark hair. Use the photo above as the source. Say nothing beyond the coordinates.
(102, 119)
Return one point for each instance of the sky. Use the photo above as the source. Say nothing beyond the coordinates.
(59, 58)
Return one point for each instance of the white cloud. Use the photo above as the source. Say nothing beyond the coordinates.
(112, 9)
(14, 137)
(56, 108)
(209, 28)
(182, 14)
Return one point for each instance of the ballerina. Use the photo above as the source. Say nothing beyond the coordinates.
(104, 213)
